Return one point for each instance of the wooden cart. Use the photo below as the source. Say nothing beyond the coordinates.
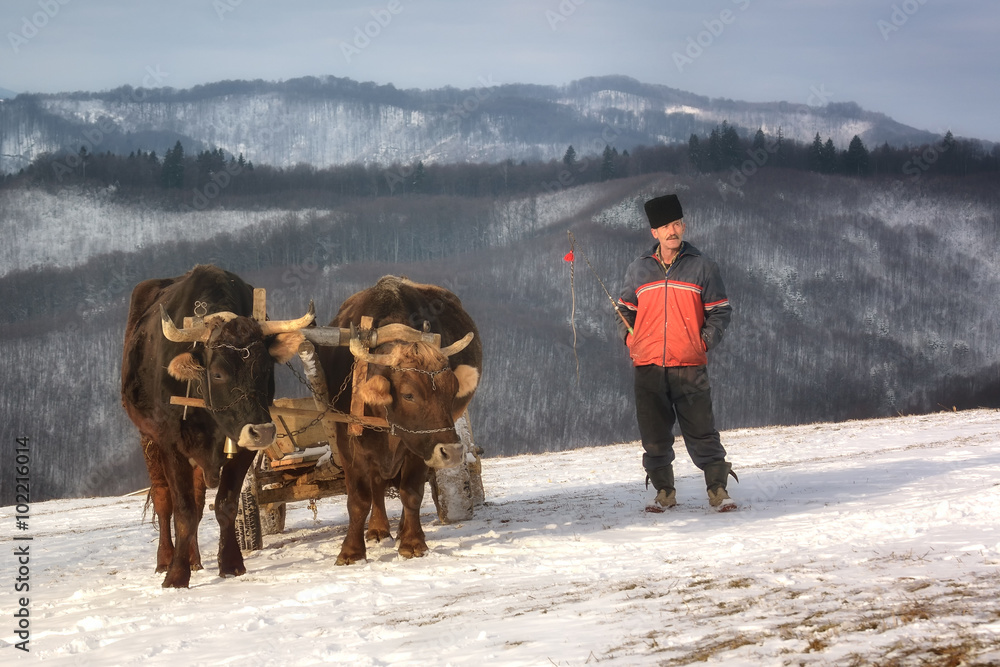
(304, 464)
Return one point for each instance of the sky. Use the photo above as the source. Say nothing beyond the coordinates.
(930, 64)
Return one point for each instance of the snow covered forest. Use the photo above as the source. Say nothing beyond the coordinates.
(853, 298)
(323, 121)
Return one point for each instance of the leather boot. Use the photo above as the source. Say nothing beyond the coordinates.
(663, 482)
(716, 476)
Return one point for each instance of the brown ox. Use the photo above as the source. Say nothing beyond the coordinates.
(420, 390)
(228, 359)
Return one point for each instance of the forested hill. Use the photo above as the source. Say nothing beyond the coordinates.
(326, 121)
(853, 298)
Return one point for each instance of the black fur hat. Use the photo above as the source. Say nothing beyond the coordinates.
(663, 210)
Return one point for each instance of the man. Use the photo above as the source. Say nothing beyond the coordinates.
(675, 306)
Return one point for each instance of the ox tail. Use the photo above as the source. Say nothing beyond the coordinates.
(151, 453)
(145, 508)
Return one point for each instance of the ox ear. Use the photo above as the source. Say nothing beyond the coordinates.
(375, 391)
(285, 346)
(185, 367)
(468, 379)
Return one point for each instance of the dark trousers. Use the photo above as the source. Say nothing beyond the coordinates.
(684, 391)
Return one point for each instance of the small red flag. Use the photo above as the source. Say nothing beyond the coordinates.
(569, 256)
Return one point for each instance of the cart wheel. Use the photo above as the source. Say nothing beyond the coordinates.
(249, 535)
(476, 477)
(248, 532)
(272, 518)
(457, 491)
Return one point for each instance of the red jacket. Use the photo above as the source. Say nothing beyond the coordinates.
(676, 316)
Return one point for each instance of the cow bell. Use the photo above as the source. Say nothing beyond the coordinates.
(230, 448)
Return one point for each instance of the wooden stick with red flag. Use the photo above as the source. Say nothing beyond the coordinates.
(570, 257)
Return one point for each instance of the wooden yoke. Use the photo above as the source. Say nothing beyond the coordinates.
(275, 451)
(259, 304)
(360, 375)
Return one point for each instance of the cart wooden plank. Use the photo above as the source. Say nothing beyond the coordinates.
(374, 422)
(321, 489)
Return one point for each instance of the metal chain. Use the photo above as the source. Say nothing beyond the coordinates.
(433, 374)
(240, 396)
(244, 351)
(350, 419)
(396, 427)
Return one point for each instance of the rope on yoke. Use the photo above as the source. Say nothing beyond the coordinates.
(349, 418)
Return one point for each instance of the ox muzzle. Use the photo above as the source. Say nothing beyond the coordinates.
(257, 436)
(445, 455)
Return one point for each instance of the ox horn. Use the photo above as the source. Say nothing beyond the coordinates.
(458, 345)
(394, 332)
(221, 317)
(362, 354)
(270, 327)
(199, 332)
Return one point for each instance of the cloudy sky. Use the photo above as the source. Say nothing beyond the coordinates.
(932, 64)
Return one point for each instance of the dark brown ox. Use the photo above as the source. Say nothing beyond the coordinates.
(228, 359)
(419, 388)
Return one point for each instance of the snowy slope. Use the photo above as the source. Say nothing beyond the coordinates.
(858, 542)
(70, 227)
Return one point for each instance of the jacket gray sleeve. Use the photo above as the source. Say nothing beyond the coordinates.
(718, 310)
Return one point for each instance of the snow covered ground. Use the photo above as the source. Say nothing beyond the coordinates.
(857, 543)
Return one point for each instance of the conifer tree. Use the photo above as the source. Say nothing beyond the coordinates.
(713, 157)
(856, 158)
(828, 158)
(172, 174)
(780, 150)
(814, 158)
(730, 146)
(695, 153)
(569, 159)
(608, 163)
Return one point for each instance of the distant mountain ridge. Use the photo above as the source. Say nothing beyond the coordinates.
(325, 121)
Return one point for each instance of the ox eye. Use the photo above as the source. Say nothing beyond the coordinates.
(407, 397)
